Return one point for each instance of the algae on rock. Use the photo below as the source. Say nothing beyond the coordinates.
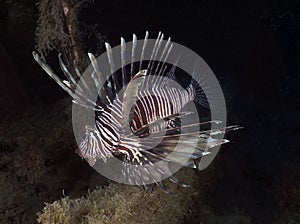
(118, 203)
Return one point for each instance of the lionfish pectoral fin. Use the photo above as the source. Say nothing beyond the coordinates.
(164, 188)
(183, 150)
(210, 143)
(181, 158)
(191, 164)
(157, 121)
(178, 182)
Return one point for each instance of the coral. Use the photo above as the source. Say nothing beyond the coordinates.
(120, 203)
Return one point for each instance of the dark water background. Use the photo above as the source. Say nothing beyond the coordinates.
(252, 47)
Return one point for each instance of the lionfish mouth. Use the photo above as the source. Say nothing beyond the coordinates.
(144, 116)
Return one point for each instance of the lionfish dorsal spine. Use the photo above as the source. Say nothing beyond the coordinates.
(65, 70)
(163, 57)
(123, 61)
(78, 73)
(143, 49)
(115, 84)
(133, 54)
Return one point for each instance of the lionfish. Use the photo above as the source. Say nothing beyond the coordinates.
(136, 107)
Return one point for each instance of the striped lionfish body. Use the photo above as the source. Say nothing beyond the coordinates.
(138, 115)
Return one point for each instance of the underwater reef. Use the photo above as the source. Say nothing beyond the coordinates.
(119, 203)
(252, 46)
